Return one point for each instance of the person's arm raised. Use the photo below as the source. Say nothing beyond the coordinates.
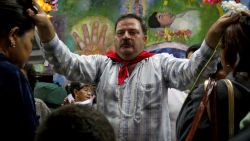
(245, 13)
(216, 30)
(44, 26)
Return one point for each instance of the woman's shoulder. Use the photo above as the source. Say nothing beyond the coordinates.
(7, 68)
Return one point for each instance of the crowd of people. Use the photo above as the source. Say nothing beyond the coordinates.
(124, 94)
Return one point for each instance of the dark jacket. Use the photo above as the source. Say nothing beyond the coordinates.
(190, 106)
(18, 116)
(242, 136)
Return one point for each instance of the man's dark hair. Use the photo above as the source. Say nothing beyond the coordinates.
(153, 21)
(75, 122)
(192, 48)
(133, 16)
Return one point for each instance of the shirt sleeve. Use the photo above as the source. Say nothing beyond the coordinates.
(84, 68)
(181, 73)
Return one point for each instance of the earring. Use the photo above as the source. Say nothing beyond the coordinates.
(12, 44)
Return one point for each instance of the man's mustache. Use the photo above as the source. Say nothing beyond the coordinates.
(126, 42)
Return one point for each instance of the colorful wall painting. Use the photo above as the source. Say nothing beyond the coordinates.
(82, 16)
(94, 21)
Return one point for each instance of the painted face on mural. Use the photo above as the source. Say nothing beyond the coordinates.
(129, 38)
(165, 19)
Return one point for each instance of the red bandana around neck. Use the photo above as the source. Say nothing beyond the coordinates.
(123, 72)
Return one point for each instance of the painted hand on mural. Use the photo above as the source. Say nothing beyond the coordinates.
(92, 42)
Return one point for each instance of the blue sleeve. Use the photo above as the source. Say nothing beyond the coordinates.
(17, 104)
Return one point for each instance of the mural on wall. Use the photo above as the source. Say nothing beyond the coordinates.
(87, 26)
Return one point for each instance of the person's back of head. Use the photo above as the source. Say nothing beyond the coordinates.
(153, 21)
(75, 122)
(236, 44)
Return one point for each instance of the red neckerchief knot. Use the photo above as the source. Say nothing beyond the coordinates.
(123, 72)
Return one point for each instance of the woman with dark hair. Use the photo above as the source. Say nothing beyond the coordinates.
(75, 122)
(235, 54)
(18, 119)
(82, 93)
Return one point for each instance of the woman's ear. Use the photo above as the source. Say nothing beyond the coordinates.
(13, 36)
